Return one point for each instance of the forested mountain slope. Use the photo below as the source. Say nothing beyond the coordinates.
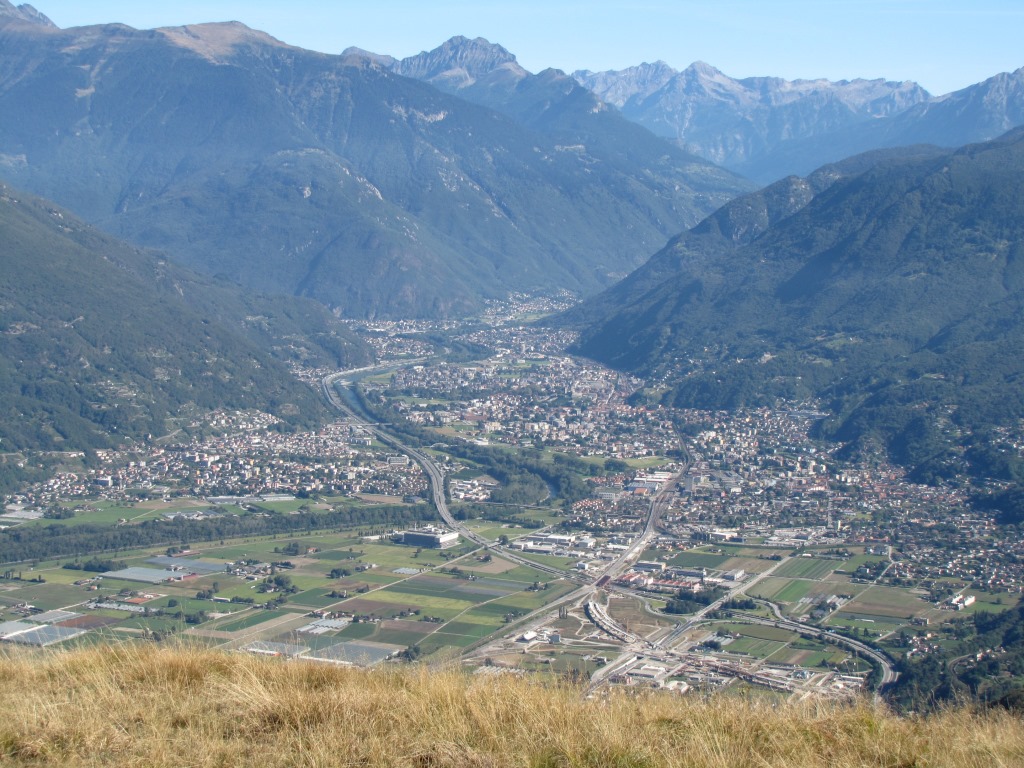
(100, 341)
(328, 176)
(896, 294)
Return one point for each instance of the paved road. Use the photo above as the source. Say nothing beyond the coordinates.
(657, 507)
(889, 674)
(430, 468)
(737, 590)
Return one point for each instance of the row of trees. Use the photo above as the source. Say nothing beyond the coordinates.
(525, 478)
(50, 541)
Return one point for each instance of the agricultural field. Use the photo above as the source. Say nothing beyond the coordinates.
(436, 611)
(797, 596)
(249, 620)
(777, 646)
(746, 563)
(808, 568)
(754, 646)
(395, 588)
(888, 602)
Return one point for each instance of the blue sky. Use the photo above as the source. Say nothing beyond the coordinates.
(942, 44)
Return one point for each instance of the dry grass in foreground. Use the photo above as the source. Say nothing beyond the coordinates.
(149, 706)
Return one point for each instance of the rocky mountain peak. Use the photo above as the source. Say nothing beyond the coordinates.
(25, 13)
(617, 88)
(755, 125)
(702, 69)
(381, 59)
(460, 62)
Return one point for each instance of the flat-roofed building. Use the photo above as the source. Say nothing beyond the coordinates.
(649, 566)
(432, 538)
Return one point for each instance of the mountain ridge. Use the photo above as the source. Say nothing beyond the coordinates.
(100, 341)
(767, 127)
(882, 290)
(460, 62)
(330, 176)
(25, 13)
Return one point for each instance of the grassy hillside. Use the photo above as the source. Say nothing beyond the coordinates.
(173, 707)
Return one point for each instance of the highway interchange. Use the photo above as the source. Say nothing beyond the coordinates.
(586, 593)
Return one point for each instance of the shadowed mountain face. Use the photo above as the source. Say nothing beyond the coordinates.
(330, 176)
(766, 128)
(100, 341)
(553, 105)
(896, 293)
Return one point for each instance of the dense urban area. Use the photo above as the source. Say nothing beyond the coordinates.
(491, 498)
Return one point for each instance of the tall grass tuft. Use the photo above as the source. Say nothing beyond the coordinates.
(152, 706)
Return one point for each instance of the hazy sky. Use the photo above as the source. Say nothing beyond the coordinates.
(942, 44)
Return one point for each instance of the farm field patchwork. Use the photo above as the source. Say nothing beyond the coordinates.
(887, 602)
(396, 583)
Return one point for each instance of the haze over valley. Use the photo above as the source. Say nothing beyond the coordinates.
(636, 378)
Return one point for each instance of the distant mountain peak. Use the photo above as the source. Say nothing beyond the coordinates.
(460, 62)
(763, 127)
(703, 68)
(24, 13)
(382, 59)
(617, 88)
(217, 40)
(644, 69)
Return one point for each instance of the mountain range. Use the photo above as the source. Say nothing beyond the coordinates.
(306, 186)
(890, 287)
(766, 128)
(333, 177)
(419, 187)
(550, 103)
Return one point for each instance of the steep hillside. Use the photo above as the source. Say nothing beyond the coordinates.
(326, 176)
(554, 105)
(737, 223)
(896, 294)
(100, 341)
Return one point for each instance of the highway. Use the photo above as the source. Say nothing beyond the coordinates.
(737, 590)
(657, 507)
(889, 674)
(659, 504)
(430, 468)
